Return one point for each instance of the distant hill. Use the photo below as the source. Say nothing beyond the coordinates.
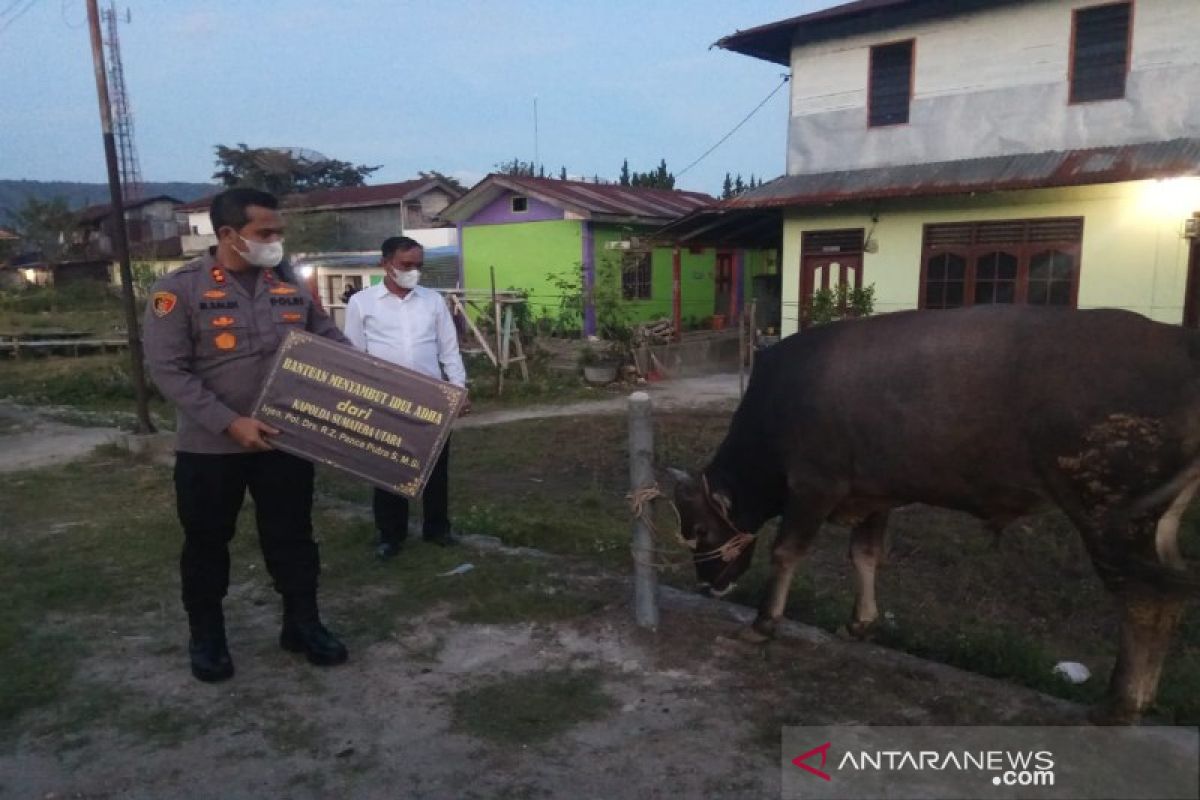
(13, 194)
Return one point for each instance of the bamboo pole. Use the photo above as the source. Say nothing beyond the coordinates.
(496, 319)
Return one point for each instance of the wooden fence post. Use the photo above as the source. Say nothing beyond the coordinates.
(641, 478)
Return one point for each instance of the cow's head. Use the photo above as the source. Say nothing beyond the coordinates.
(704, 521)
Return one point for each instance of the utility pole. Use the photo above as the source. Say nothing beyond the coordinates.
(120, 234)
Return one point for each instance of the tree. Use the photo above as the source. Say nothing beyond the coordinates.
(45, 226)
(282, 171)
(562, 174)
(727, 188)
(518, 168)
(659, 178)
(433, 174)
(738, 186)
(625, 172)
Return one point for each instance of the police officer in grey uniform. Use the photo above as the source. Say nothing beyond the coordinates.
(212, 329)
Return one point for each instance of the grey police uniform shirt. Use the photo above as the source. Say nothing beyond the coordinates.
(209, 345)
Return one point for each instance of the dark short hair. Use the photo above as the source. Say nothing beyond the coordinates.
(229, 207)
(398, 244)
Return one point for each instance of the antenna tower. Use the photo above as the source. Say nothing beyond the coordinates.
(122, 114)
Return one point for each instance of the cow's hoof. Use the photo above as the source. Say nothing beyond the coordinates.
(754, 635)
(1109, 713)
(860, 631)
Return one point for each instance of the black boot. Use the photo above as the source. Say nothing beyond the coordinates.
(207, 648)
(303, 633)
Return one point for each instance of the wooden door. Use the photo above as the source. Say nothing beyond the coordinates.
(724, 296)
(826, 272)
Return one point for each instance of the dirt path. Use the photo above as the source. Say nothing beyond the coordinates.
(706, 390)
(689, 711)
(28, 442)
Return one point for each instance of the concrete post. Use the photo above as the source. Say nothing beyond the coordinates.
(641, 477)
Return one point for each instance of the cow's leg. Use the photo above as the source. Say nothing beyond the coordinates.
(800, 522)
(866, 553)
(1148, 621)
(1135, 558)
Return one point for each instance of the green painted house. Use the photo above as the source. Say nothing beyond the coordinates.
(539, 233)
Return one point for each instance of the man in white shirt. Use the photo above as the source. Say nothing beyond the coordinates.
(403, 322)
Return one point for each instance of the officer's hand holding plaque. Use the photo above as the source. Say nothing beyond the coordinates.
(372, 419)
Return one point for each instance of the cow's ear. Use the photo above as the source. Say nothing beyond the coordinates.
(679, 476)
(684, 484)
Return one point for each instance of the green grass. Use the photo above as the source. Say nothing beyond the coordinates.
(532, 707)
(89, 390)
(1010, 612)
(99, 537)
(91, 549)
(78, 538)
(90, 307)
(545, 385)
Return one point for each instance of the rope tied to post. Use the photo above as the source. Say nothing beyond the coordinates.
(640, 503)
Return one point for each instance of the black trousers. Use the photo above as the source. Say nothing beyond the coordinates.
(391, 510)
(209, 490)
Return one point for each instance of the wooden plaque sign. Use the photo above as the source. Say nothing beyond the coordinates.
(357, 413)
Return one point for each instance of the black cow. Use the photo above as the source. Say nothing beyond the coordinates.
(996, 411)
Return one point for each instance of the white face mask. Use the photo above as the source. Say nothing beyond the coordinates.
(406, 279)
(262, 254)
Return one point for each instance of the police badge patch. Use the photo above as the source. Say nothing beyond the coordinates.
(163, 303)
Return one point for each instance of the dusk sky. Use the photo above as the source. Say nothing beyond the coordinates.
(412, 86)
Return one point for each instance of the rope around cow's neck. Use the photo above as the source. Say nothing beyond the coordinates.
(639, 503)
(740, 540)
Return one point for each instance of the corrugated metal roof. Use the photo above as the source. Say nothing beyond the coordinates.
(1178, 157)
(773, 41)
(356, 196)
(98, 213)
(590, 200)
(199, 204)
(383, 194)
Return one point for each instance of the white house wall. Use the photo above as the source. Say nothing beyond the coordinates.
(994, 83)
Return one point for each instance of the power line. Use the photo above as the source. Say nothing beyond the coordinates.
(735, 127)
